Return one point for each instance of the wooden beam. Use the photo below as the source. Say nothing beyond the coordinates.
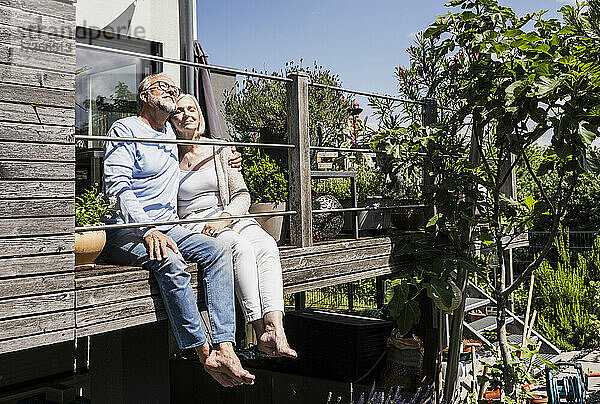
(23, 246)
(33, 325)
(27, 306)
(37, 77)
(37, 133)
(36, 285)
(299, 160)
(25, 170)
(37, 152)
(38, 340)
(37, 208)
(34, 226)
(37, 189)
(38, 22)
(36, 265)
(64, 9)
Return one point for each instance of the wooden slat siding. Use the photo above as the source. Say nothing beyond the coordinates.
(52, 62)
(329, 246)
(121, 323)
(37, 133)
(34, 40)
(36, 226)
(56, 8)
(27, 342)
(108, 274)
(23, 246)
(37, 152)
(351, 277)
(36, 285)
(121, 310)
(26, 113)
(22, 170)
(37, 265)
(37, 208)
(47, 24)
(120, 292)
(41, 324)
(37, 78)
(337, 257)
(36, 189)
(27, 306)
(25, 94)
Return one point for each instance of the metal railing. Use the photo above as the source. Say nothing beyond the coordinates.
(300, 146)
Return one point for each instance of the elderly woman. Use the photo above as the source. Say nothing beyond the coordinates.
(208, 187)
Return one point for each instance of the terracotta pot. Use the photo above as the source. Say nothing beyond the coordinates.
(537, 399)
(88, 246)
(273, 224)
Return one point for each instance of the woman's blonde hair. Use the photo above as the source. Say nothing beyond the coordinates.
(201, 123)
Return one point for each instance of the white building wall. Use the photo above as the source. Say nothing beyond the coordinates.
(156, 20)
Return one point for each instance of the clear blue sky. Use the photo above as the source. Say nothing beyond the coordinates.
(361, 41)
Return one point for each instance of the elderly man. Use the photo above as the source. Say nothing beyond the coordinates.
(144, 178)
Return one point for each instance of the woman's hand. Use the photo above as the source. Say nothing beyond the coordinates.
(213, 228)
(236, 160)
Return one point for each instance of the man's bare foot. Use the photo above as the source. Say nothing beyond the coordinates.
(224, 366)
(274, 343)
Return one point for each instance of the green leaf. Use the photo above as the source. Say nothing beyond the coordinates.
(514, 90)
(587, 132)
(408, 316)
(434, 220)
(440, 289)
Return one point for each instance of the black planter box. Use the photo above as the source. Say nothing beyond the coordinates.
(335, 346)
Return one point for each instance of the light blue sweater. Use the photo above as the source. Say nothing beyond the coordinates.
(144, 177)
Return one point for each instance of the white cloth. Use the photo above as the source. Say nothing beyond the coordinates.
(256, 265)
(198, 190)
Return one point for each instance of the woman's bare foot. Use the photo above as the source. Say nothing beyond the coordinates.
(224, 366)
(273, 341)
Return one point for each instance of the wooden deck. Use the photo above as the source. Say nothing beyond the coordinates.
(109, 297)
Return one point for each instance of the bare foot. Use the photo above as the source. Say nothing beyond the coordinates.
(224, 366)
(274, 343)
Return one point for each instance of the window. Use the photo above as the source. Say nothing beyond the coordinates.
(105, 91)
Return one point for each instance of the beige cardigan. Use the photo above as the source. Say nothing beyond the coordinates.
(234, 193)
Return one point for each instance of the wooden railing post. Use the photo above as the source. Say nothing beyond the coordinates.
(299, 160)
(299, 167)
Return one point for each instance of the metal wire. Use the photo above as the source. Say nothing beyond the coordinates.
(346, 149)
(375, 95)
(213, 68)
(182, 221)
(190, 142)
(366, 208)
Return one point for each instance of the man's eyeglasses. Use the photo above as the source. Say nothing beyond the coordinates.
(164, 86)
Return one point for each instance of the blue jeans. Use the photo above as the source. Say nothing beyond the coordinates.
(126, 247)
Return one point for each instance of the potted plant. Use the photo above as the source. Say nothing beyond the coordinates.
(268, 187)
(90, 207)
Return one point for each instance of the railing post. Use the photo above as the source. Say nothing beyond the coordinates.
(299, 167)
(299, 160)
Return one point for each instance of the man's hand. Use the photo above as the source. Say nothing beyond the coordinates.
(213, 228)
(236, 160)
(157, 243)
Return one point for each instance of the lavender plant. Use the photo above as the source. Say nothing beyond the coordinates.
(393, 396)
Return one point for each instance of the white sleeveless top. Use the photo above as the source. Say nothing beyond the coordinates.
(198, 190)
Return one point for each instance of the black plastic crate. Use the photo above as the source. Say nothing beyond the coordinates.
(335, 346)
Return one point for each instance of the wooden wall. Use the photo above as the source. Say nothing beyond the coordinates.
(37, 173)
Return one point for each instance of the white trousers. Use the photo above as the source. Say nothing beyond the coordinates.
(256, 265)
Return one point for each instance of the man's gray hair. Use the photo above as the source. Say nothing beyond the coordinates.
(145, 84)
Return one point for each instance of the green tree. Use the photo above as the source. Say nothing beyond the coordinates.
(258, 109)
(520, 78)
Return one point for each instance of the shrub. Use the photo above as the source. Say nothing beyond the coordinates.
(90, 207)
(338, 187)
(566, 297)
(265, 179)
